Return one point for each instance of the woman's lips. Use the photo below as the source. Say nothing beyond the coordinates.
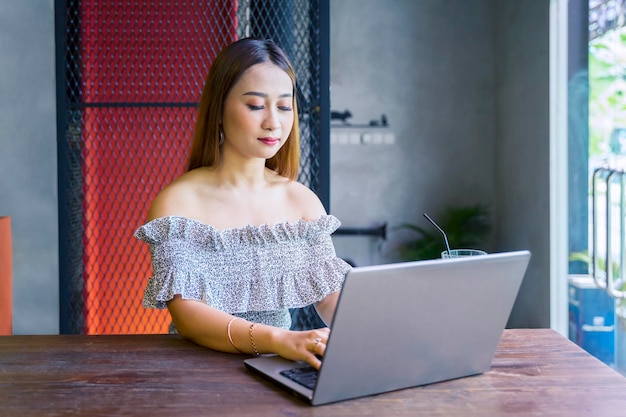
(269, 141)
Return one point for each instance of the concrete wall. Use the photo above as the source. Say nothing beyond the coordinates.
(28, 163)
(429, 66)
(522, 150)
(464, 85)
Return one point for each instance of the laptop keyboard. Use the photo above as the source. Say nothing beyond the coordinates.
(306, 376)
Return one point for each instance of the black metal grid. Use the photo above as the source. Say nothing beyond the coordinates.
(130, 74)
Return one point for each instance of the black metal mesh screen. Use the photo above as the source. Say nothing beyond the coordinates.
(133, 73)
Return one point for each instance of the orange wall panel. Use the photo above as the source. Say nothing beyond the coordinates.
(6, 277)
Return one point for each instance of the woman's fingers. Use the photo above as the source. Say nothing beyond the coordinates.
(319, 346)
(308, 345)
(315, 343)
(320, 338)
(316, 347)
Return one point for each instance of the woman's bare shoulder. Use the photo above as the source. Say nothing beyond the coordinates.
(178, 198)
(306, 201)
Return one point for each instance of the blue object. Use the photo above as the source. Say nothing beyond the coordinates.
(591, 318)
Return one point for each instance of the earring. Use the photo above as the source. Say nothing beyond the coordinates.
(221, 140)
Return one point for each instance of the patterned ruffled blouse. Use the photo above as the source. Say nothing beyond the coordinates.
(256, 273)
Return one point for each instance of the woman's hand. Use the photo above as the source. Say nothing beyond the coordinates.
(308, 345)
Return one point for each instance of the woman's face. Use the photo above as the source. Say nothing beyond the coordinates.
(258, 112)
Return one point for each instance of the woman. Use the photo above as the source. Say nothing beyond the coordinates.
(236, 241)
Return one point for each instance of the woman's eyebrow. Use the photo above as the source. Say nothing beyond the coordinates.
(259, 94)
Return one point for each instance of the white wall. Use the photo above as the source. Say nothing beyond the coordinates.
(28, 164)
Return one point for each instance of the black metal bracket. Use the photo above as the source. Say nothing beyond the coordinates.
(380, 231)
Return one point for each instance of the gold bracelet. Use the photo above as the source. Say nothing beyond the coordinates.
(230, 339)
(254, 349)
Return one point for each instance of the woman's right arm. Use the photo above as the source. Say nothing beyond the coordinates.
(208, 327)
(205, 325)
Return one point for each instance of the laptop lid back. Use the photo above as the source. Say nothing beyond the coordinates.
(414, 323)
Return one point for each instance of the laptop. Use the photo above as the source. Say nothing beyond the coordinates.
(408, 324)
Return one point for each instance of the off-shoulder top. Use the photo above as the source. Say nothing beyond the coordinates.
(254, 272)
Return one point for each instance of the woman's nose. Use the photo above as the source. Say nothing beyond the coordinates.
(271, 121)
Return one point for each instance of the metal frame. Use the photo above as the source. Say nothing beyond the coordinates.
(62, 162)
(604, 277)
(70, 256)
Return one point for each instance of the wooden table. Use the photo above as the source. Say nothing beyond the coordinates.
(535, 373)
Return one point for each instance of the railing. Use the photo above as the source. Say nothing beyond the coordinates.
(613, 181)
(609, 189)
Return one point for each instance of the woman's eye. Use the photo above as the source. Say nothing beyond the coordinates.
(254, 107)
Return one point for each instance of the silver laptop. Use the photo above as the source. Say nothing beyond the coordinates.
(408, 324)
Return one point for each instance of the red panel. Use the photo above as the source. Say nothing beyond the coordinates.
(132, 53)
(6, 277)
(136, 51)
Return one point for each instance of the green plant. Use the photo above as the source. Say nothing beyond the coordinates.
(466, 227)
(607, 88)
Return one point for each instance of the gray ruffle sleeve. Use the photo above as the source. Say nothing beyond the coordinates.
(262, 268)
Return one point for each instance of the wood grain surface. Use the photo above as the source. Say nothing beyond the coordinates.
(536, 372)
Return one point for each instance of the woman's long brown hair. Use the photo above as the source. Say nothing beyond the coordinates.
(225, 71)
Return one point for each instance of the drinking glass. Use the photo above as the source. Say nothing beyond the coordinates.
(460, 253)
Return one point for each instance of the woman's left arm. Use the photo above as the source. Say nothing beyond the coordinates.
(326, 307)
(311, 208)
